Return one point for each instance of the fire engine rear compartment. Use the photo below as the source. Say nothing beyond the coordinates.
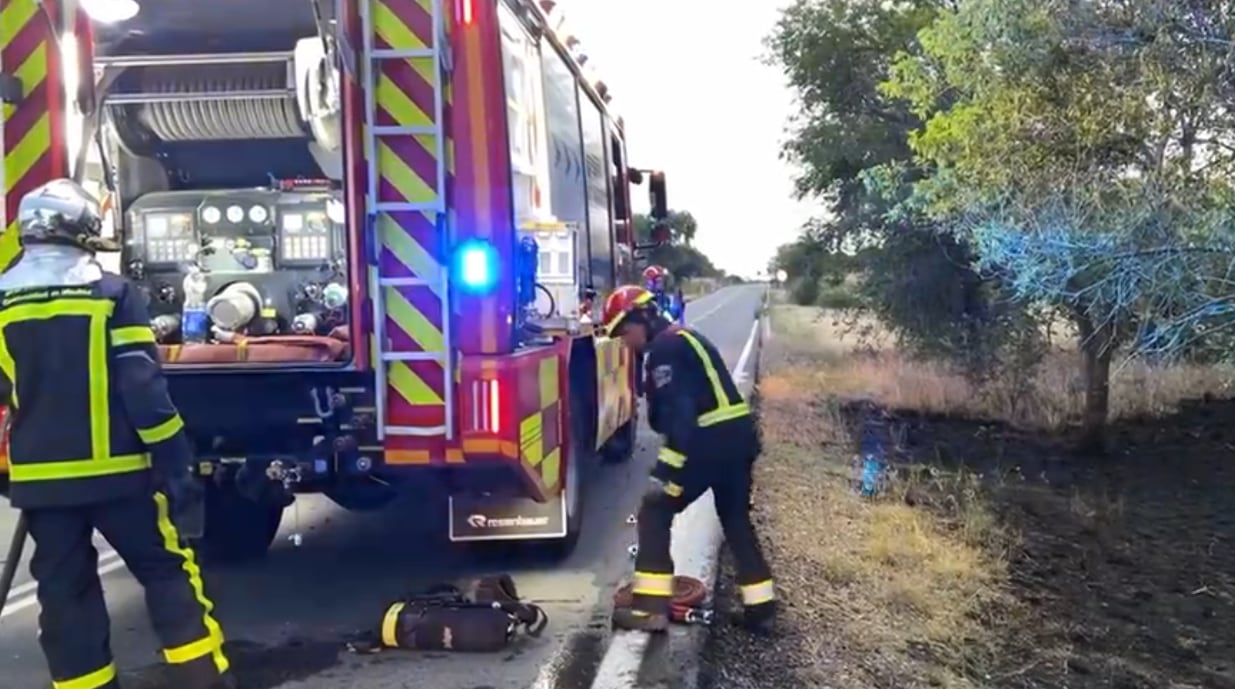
(223, 122)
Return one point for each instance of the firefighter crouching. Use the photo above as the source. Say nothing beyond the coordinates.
(96, 443)
(710, 442)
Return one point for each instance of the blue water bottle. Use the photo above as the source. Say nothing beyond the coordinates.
(195, 322)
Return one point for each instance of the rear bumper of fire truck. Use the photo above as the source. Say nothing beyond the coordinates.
(508, 426)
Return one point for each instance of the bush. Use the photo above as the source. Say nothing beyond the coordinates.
(804, 291)
(838, 297)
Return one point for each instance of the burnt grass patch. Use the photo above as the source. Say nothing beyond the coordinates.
(994, 556)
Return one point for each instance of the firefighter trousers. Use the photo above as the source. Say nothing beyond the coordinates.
(726, 470)
(74, 624)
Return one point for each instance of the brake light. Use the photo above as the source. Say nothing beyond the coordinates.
(495, 407)
(486, 406)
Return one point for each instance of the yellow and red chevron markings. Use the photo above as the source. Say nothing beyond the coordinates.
(540, 419)
(411, 241)
(613, 392)
(30, 155)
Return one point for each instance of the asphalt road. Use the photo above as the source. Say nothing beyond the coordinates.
(287, 617)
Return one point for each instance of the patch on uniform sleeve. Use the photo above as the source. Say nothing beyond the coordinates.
(662, 375)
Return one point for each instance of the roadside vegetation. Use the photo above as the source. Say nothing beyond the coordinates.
(684, 261)
(1020, 276)
(993, 555)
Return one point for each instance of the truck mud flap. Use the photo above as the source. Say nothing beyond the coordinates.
(505, 519)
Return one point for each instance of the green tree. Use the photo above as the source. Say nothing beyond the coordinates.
(835, 54)
(682, 227)
(814, 262)
(1085, 150)
(683, 260)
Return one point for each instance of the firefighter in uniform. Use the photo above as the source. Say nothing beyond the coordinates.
(710, 442)
(655, 278)
(96, 443)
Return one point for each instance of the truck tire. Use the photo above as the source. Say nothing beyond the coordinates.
(620, 447)
(237, 529)
(361, 497)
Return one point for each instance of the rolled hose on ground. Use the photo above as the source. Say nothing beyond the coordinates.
(689, 594)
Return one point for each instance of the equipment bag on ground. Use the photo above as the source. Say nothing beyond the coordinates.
(482, 615)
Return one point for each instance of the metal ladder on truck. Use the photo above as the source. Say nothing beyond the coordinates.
(390, 45)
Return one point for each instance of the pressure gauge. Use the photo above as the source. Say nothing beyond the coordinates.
(235, 214)
(258, 214)
(211, 215)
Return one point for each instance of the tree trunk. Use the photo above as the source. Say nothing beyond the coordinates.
(1097, 349)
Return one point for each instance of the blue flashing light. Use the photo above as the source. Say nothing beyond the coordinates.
(476, 265)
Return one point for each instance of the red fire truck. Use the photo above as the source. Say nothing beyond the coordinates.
(371, 233)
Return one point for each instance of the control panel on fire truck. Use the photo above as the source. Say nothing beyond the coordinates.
(263, 262)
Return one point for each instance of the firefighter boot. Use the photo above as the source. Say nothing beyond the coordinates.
(640, 621)
(761, 618)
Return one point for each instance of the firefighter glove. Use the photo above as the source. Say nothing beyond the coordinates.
(187, 501)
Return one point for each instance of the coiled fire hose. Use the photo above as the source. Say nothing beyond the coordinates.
(686, 606)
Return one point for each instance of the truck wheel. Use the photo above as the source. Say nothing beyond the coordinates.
(361, 497)
(621, 446)
(237, 529)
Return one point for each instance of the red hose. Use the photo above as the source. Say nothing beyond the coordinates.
(688, 594)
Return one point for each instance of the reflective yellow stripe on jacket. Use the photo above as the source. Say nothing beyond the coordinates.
(131, 335)
(101, 462)
(726, 410)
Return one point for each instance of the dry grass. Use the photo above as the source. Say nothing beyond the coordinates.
(914, 586)
(911, 589)
(836, 361)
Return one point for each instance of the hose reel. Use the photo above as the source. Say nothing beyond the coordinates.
(217, 105)
(227, 97)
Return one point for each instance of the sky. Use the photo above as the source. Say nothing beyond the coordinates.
(699, 104)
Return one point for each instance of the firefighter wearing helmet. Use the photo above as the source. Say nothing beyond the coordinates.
(96, 444)
(709, 442)
(656, 279)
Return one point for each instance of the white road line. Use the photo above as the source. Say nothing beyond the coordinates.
(16, 604)
(694, 319)
(696, 541)
(739, 371)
